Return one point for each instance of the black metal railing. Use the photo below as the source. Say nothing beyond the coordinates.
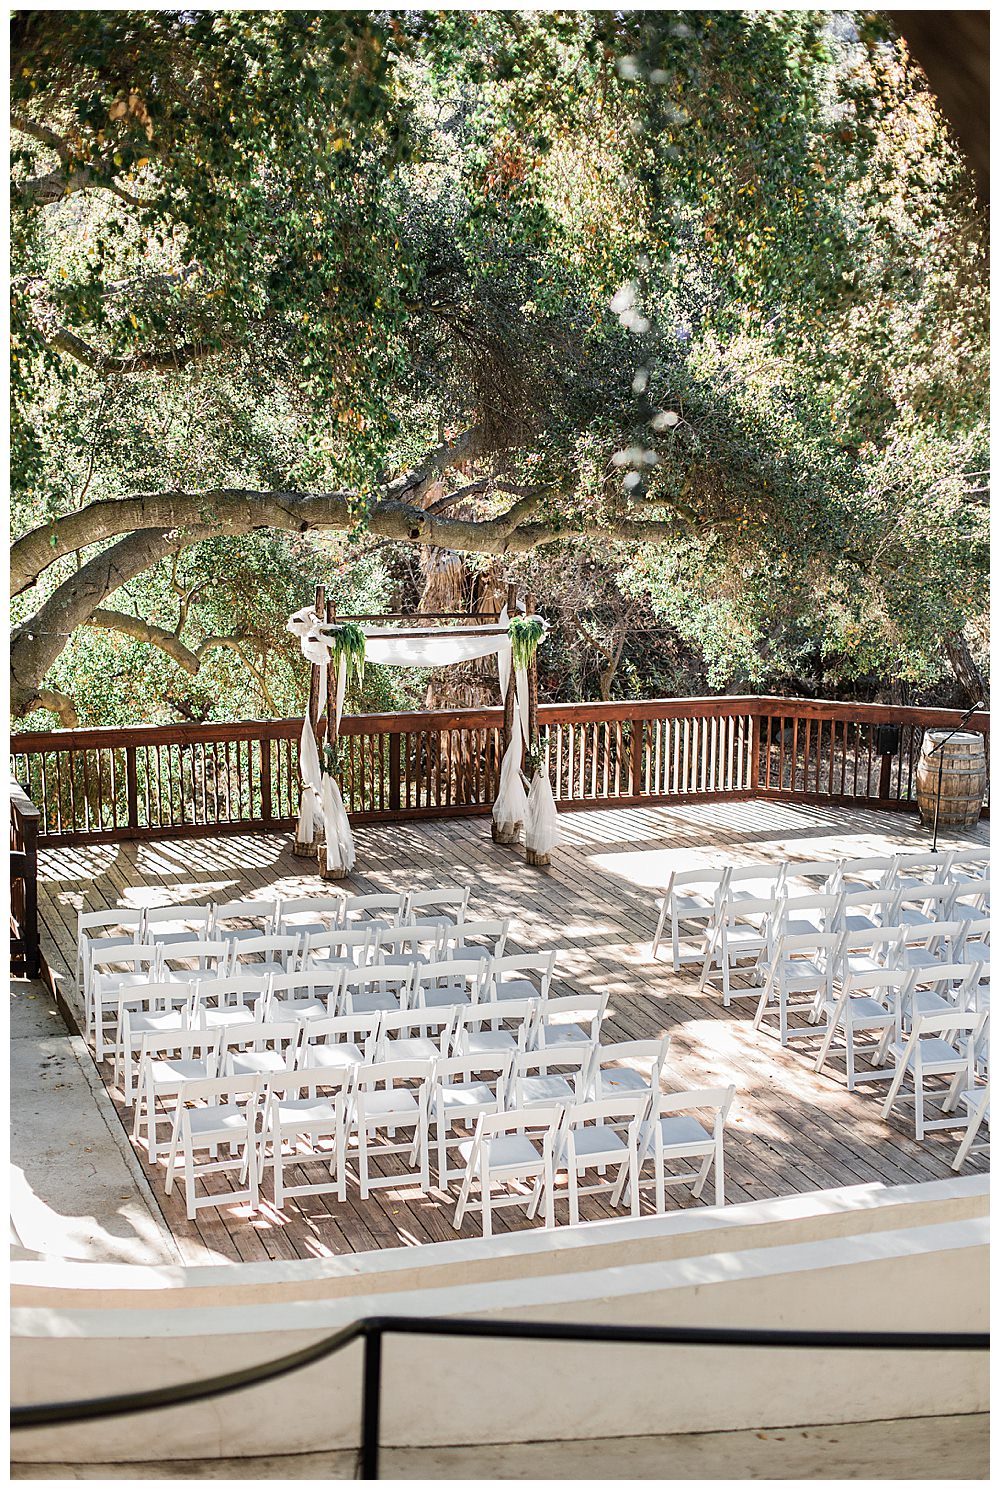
(371, 1331)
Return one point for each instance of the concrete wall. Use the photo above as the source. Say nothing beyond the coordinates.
(466, 1392)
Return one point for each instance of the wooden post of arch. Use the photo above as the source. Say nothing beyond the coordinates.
(508, 835)
(306, 850)
(532, 856)
(331, 738)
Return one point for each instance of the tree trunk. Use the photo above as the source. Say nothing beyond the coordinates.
(963, 665)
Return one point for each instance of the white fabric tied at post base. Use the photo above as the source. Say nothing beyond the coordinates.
(511, 805)
(339, 838)
(541, 822)
(312, 783)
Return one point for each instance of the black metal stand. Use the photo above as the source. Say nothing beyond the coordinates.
(935, 750)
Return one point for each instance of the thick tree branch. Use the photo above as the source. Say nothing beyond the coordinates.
(153, 359)
(74, 176)
(146, 631)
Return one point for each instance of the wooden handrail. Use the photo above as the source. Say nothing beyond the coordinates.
(104, 784)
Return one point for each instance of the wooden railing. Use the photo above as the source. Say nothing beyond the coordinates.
(99, 785)
(24, 826)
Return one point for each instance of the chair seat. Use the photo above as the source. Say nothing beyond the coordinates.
(251, 1062)
(935, 1054)
(470, 1095)
(563, 1034)
(327, 1057)
(227, 1016)
(99, 946)
(373, 1003)
(488, 1042)
(241, 933)
(921, 957)
(413, 1048)
(615, 1079)
(858, 921)
(220, 1122)
(465, 954)
(593, 1142)
(146, 1024)
(397, 1103)
(166, 1072)
(862, 1011)
(510, 1152)
(863, 962)
(684, 1132)
(926, 1001)
(298, 1009)
(318, 964)
(299, 1111)
(303, 928)
(430, 922)
(171, 938)
(535, 1090)
(516, 988)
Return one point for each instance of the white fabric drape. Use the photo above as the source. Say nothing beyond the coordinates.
(312, 784)
(339, 838)
(541, 821)
(431, 648)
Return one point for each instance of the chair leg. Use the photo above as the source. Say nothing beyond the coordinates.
(720, 1174)
(893, 1092)
(918, 1087)
(703, 1175)
(824, 1050)
(849, 1042)
(487, 1209)
(574, 1195)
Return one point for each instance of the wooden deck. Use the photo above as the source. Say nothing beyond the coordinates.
(790, 1130)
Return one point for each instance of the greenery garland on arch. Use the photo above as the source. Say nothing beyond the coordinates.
(347, 643)
(525, 633)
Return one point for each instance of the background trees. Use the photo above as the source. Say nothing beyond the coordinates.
(689, 307)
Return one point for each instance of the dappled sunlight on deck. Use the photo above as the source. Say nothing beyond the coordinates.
(790, 1130)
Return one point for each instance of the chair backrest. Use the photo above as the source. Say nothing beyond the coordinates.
(308, 909)
(879, 901)
(961, 1022)
(934, 894)
(189, 1044)
(828, 872)
(202, 951)
(631, 1106)
(269, 947)
(533, 967)
(282, 1035)
(975, 933)
(302, 1081)
(951, 973)
(408, 940)
(412, 1023)
(340, 1029)
(766, 873)
(382, 907)
(710, 878)
(573, 1008)
(453, 900)
(542, 1121)
(654, 1051)
(263, 911)
(358, 943)
(126, 920)
(715, 1099)
(928, 934)
(287, 989)
(379, 978)
(455, 975)
(220, 1091)
(798, 943)
(387, 1073)
(454, 1070)
(732, 911)
(155, 997)
(519, 1012)
(878, 982)
(470, 933)
(164, 919)
(242, 991)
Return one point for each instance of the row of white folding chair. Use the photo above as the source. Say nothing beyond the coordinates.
(550, 1032)
(624, 1132)
(364, 946)
(696, 896)
(526, 1144)
(306, 915)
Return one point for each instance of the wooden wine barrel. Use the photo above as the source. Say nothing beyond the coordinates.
(962, 766)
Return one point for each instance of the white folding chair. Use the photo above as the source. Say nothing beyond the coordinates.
(383, 910)
(935, 1047)
(305, 995)
(416, 1034)
(798, 978)
(370, 990)
(599, 1134)
(447, 984)
(480, 1031)
(509, 1148)
(485, 940)
(167, 1060)
(309, 915)
(733, 939)
(457, 1098)
(867, 910)
(210, 959)
(269, 1048)
(972, 901)
(524, 975)
(156, 1009)
(691, 897)
(113, 972)
(865, 1003)
(245, 920)
(383, 1102)
(266, 956)
(540, 1077)
(816, 913)
(870, 950)
(866, 871)
(929, 944)
(442, 908)
(326, 950)
(167, 924)
(127, 924)
(923, 904)
(675, 1128)
(976, 1102)
(209, 1114)
(613, 1072)
(574, 1019)
(339, 1042)
(968, 865)
(294, 1109)
(813, 876)
(222, 1003)
(406, 946)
